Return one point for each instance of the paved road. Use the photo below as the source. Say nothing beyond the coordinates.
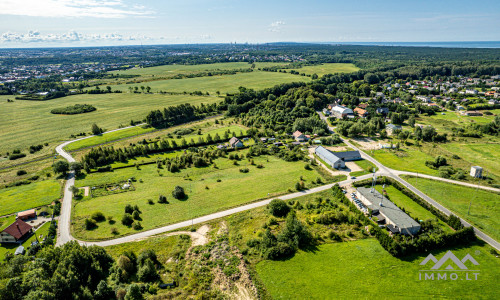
(64, 234)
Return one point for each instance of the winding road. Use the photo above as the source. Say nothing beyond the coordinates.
(64, 228)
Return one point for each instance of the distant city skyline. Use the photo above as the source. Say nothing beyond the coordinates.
(53, 23)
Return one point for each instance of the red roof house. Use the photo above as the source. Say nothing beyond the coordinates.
(15, 232)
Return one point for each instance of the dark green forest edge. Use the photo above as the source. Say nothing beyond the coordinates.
(79, 272)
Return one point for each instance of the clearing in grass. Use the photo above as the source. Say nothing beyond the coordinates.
(332, 271)
(484, 210)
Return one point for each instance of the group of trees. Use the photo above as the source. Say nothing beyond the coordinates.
(74, 109)
(183, 113)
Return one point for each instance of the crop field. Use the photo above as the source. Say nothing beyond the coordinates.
(331, 68)
(18, 198)
(168, 70)
(484, 211)
(40, 126)
(362, 269)
(212, 84)
(407, 159)
(208, 189)
(481, 154)
(411, 207)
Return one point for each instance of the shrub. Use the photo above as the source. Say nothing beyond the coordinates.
(90, 224)
(129, 209)
(162, 199)
(127, 219)
(307, 167)
(21, 172)
(136, 215)
(137, 226)
(16, 156)
(178, 193)
(114, 231)
(244, 170)
(278, 208)
(73, 110)
(98, 216)
(151, 202)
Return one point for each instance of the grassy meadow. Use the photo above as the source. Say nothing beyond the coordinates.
(366, 165)
(485, 209)
(481, 154)
(18, 198)
(40, 126)
(363, 269)
(407, 159)
(328, 68)
(209, 190)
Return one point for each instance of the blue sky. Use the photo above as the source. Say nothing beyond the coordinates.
(35, 23)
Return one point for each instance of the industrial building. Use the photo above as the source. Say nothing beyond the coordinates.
(395, 219)
(336, 160)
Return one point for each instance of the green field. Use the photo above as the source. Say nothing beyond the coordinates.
(40, 126)
(235, 188)
(412, 208)
(14, 199)
(168, 70)
(363, 269)
(485, 208)
(407, 159)
(451, 119)
(366, 165)
(331, 68)
(484, 155)
(224, 84)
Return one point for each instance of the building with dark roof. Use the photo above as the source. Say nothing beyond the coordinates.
(336, 159)
(396, 220)
(235, 142)
(16, 232)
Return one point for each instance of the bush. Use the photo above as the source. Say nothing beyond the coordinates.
(21, 172)
(136, 215)
(114, 231)
(98, 216)
(244, 170)
(73, 110)
(278, 208)
(178, 193)
(137, 226)
(162, 199)
(307, 167)
(151, 202)
(127, 219)
(90, 224)
(129, 209)
(16, 156)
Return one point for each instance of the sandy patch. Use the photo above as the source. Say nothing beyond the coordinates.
(352, 166)
(367, 143)
(86, 190)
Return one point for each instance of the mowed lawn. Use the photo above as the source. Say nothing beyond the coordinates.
(329, 68)
(363, 269)
(26, 123)
(485, 208)
(480, 154)
(205, 194)
(412, 208)
(407, 159)
(17, 198)
(212, 84)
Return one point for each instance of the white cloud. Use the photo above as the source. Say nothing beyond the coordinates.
(276, 26)
(72, 8)
(34, 36)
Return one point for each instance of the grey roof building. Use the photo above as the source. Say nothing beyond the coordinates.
(395, 217)
(336, 159)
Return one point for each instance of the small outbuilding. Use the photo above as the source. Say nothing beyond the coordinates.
(27, 214)
(235, 142)
(476, 171)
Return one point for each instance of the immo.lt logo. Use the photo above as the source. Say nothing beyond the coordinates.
(449, 267)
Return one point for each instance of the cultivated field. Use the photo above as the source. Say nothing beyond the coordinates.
(332, 68)
(205, 194)
(362, 269)
(484, 212)
(224, 83)
(24, 197)
(26, 123)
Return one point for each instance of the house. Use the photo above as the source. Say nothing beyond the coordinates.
(493, 102)
(331, 106)
(361, 112)
(336, 160)
(16, 232)
(326, 111)
(27, 214)
(263, 139)
(363, 105)
(235, 142)
(382, 111)
(340, 112)
(476, 171)
(390, 128)
(473, 113)
(397, 221)
(471, 92)
(221, 147)
(299, 136)
(423, 98)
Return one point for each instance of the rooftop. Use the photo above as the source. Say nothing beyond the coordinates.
(18, 229)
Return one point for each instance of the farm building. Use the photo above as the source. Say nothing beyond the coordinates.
(361, 112)
(235, 142)
(395, 219)
(340, 112)
(382, 111)
(476, 171)
(299, 136)
(27, 214)
(16, 232)
(336, 160)
(473, 113)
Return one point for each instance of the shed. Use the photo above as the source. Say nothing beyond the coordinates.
(27, 214)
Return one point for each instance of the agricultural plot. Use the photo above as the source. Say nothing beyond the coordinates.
(40, 126)
(212, 84)
(18, 198)
(208, 190)
(362, 268)
(330, 68)
(484, 211)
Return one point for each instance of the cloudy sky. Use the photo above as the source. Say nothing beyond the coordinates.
(36, 23)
